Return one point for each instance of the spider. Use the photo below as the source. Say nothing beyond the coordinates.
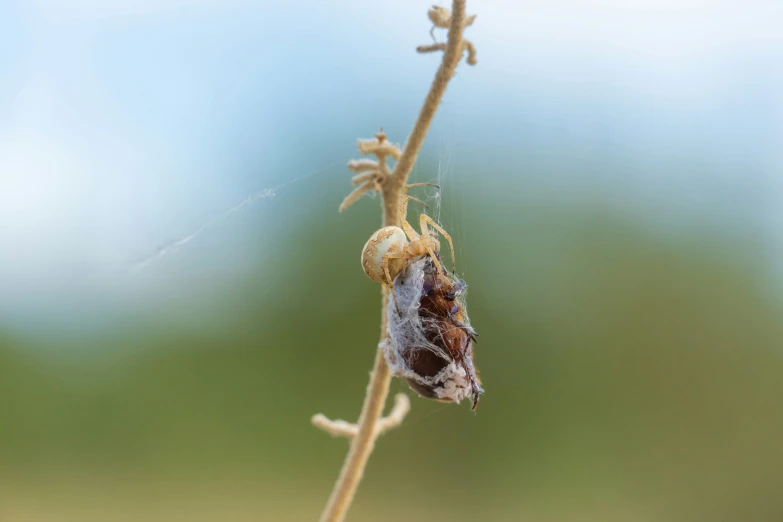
(389, 249)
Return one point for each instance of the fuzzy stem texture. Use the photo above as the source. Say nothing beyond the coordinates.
(391, 190)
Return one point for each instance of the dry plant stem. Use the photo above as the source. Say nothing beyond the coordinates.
(364, 441)
(451, 57)
(391, 190)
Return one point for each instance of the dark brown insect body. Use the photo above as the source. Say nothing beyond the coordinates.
(434, 345)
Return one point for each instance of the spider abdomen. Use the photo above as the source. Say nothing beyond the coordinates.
(388, 240)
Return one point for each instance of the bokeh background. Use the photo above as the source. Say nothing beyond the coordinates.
(178, 294)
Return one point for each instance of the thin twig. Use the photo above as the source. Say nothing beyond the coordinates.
(341, 428)
(451, 57)
(364, 441)
(391, 185)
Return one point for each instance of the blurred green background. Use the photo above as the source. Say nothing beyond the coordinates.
(615, 209)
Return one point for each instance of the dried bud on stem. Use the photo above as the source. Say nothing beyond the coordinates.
(372, 174)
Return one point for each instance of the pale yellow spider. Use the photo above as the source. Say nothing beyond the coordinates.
(390, 248)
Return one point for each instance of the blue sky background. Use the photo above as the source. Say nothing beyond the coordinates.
(127, 125)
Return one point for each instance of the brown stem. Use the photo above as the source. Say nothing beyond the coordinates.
(451, 57)
(377, 391)
(380, 378)
(364, 442)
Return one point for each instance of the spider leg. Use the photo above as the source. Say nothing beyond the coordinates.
(421, 185)
(462, 326)
(425, 219)
(390, 282)
(406, 227)
(425, 233)
(466, 361)
(417, 200)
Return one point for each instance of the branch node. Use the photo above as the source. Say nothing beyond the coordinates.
(336, 428)
(341, 428)
(441, 18)
(402, 405)
(372, 174)
(431, 48)
(467, 45)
